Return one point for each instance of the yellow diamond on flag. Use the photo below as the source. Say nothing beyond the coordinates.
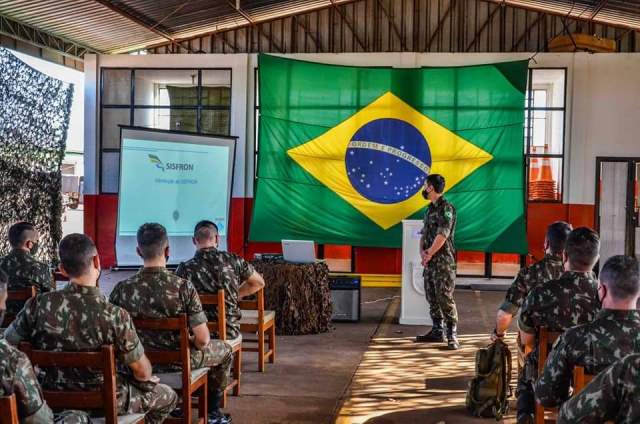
(378, 159)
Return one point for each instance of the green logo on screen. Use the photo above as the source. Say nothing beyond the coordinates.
(175, 166)
(156, 161)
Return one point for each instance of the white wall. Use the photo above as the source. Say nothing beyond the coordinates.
(603, 103)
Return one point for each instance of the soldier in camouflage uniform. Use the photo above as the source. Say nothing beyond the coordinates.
(438, 255)
(558, 304)
(614, 395)
(211, 270)
(614, 334)
(549, 268)
(154, 292)
(23, 269)
(79, 318)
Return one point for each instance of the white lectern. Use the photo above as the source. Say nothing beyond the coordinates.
(415, 309)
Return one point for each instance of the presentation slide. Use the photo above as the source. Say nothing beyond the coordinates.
(174, 179)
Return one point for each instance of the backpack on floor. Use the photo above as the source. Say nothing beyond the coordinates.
(489, 389)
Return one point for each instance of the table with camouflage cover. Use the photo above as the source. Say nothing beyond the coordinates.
(299, 294)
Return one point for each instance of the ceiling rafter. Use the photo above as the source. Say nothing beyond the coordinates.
(245, 15)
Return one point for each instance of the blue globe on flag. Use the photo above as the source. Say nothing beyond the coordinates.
(387, 160)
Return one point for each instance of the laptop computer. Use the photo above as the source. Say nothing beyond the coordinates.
(299, 251)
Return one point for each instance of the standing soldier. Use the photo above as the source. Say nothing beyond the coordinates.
(23, 269)
(211, 270)
(439, 260)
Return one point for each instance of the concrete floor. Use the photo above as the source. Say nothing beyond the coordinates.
(368, 372)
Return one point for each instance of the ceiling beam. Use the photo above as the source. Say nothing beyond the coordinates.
(143, 21)
(349, 25)
(251, 22)
(43, 40)
(598, 8)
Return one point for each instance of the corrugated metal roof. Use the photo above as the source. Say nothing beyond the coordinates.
(94, 24)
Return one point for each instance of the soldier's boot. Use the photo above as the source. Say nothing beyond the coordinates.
(452, 337)
(435, 335)
(216, 416)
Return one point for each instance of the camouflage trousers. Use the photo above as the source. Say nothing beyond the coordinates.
(71, 417)
(156, 401)
(526, 403)
(218, 357)
(439, 284)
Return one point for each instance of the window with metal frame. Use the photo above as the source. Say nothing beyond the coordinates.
(545, 114)
(178, 99)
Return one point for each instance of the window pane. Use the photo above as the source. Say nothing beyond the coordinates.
(547, 132)
(116, 86)
(552, 81)
(166, 119)
(216, 78)
(216, 96)
(159, 87)
(545, 179)
(110, 171)
(111, 119)
(215, 121)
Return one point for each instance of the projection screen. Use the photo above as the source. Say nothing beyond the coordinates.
(175, 179)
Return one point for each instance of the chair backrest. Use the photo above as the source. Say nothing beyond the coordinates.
(217, 300)
(104, 360)
(9, 409)
(163, 357)
(580, 379)
(546, 339)
(256, 305)
(23, 295)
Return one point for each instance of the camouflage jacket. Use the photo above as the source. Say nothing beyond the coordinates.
(211, 270)
(614, 395)
(75, 319)
(17, 377)
(596, 345)
(549, 268)
(25, 271)
(559, 304)
(156, 293)
(440, 218)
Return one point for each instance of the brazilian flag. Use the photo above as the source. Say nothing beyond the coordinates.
(344, 151)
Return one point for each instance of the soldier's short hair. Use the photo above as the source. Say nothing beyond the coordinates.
(583, 247)
(621, 276)
(152, 240)
(437, 181)
(557, 234)
(20, 232)
(76, 253)
(4, 280)
(205, 230)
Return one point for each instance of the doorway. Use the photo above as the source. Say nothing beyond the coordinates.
(617, 206)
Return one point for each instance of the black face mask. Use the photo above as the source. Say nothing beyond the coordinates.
(2, 311)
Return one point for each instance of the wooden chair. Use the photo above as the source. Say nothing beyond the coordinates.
(546, 339)
(104, 399)
(256, 320)
(186, 383)
(220, 327)
(580, 379)
(9, 409)
(23, 294)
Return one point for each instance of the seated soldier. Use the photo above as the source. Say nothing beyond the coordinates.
(613, 396)
(79, 318)
(558, 304)
(154, 292)
(614, 334)
(548, 268)
(211, 270)
(23, 269)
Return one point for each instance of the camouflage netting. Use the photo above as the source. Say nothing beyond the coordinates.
(34, 117)
(299, 294)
